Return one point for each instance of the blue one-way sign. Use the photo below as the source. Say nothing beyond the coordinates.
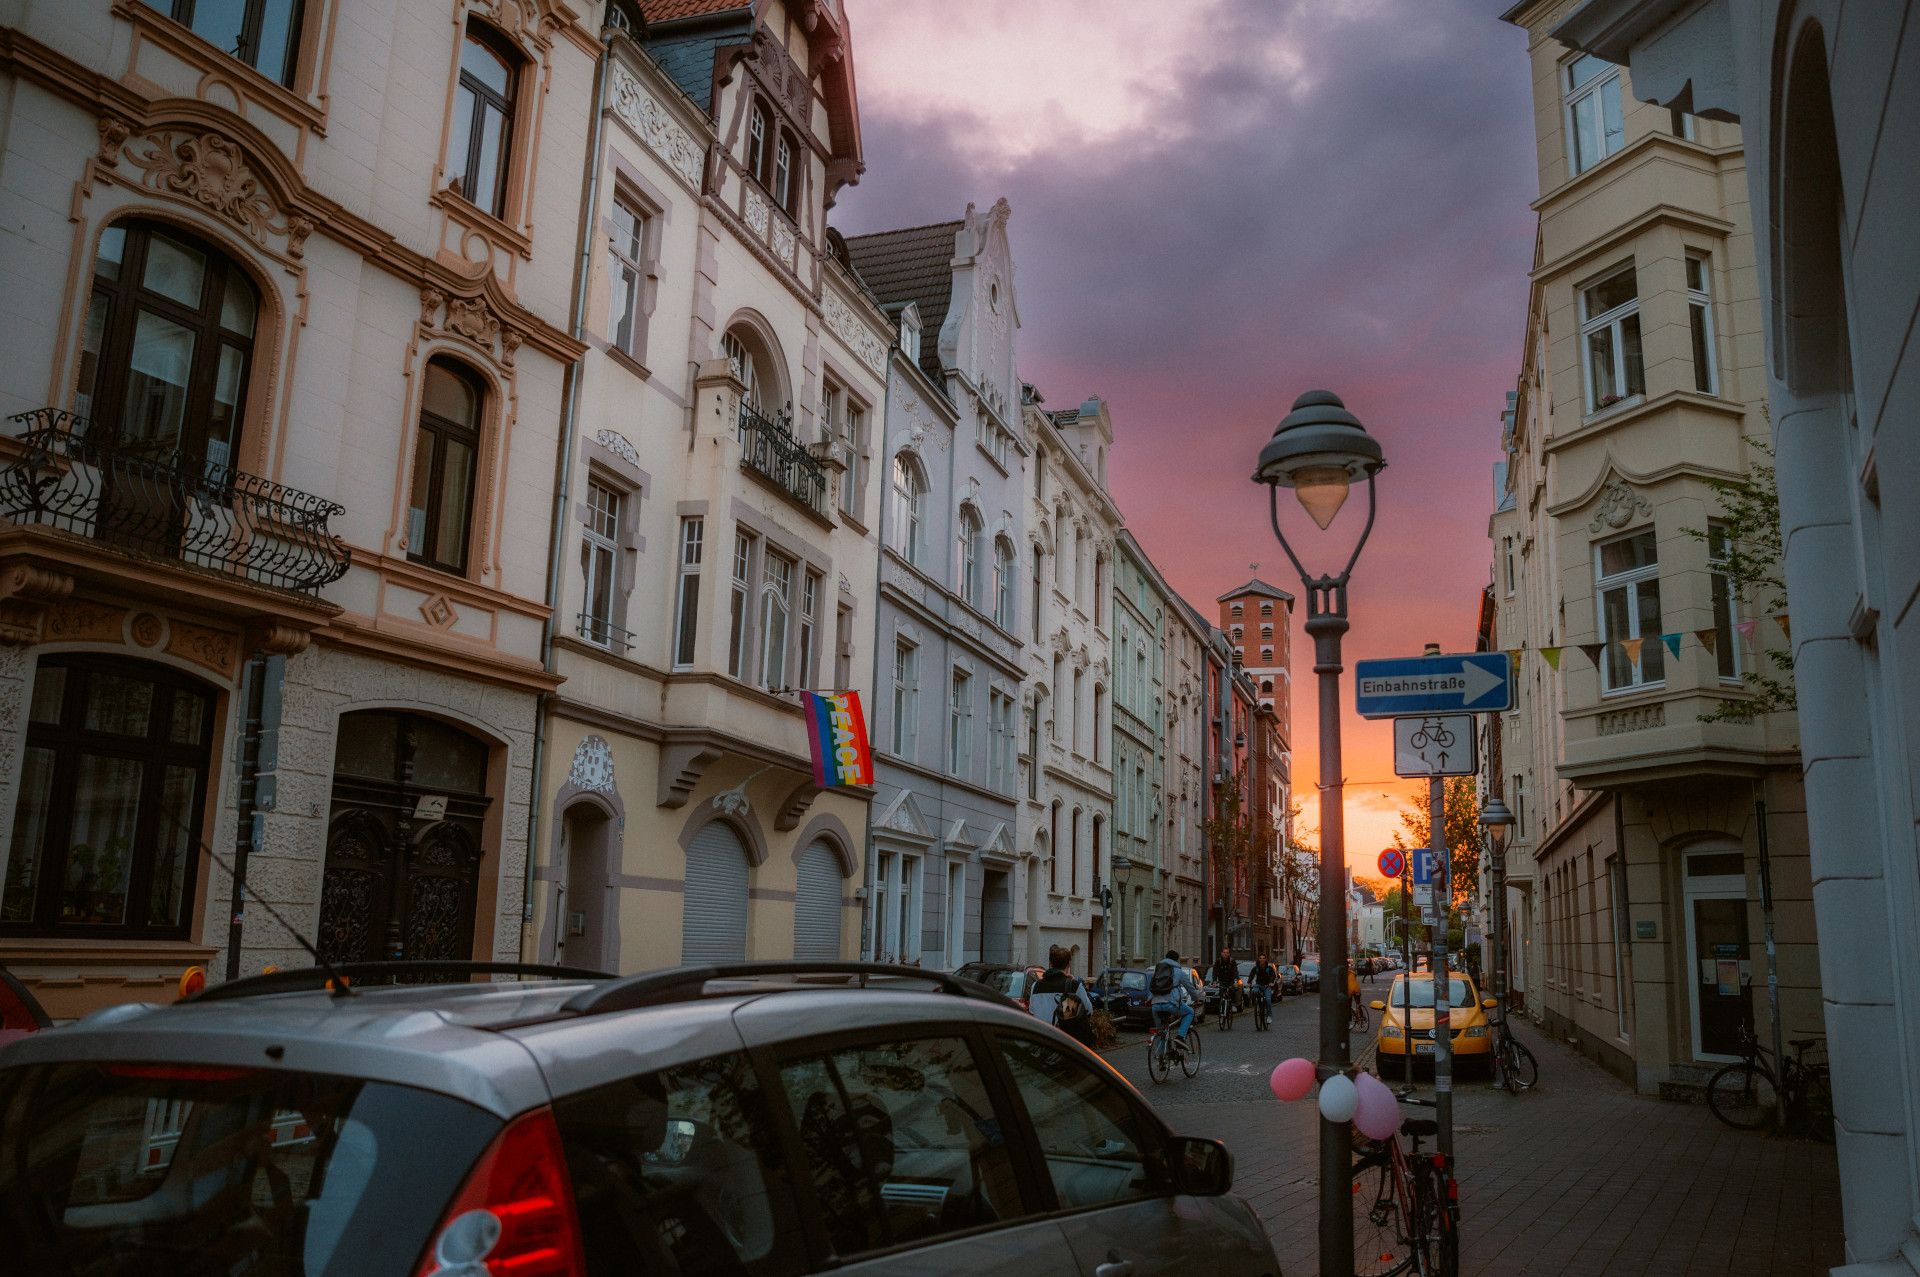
(1475, 681)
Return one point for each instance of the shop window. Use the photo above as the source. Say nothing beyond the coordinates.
(113, 785)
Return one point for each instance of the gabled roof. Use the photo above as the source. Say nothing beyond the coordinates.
(912, 264)
(1256, 586)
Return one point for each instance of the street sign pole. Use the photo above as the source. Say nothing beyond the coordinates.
(1406, 979)
(1442, 1002)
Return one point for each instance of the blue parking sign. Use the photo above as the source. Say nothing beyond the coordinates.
(1422, 866)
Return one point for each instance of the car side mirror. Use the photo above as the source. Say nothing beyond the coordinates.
(1378, 1006)
(1489, 1003)
(1201, 1167)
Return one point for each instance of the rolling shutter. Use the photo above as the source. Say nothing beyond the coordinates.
(816, 907)
(714, 911)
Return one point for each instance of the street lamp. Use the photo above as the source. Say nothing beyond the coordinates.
(1319, 450)
(1497, 820)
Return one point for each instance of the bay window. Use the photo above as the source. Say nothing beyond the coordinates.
(1610, 339)
(1700, 322)
(1627, 582)
(776, 610)
(686, 601)
(738, 607)
(1595, 128)
(809, 629)
(1726, 607)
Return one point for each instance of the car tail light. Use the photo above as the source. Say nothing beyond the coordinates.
(16, 1012)
(514, 1216)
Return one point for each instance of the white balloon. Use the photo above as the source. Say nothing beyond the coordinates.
(1338, 1099)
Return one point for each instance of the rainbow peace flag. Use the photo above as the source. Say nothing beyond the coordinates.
(837, 731)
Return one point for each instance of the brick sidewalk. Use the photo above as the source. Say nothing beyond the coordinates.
(1577, 1176)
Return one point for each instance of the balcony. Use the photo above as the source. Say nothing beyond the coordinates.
(150, 502)
(768, 448)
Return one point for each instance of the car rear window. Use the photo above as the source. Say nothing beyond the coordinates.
(1134, 980)
(167, 1170)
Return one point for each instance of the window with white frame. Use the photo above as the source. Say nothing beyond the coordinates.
(1039, 582)
(853, 484)
(1595, 128)
(843, 648)
(960, 725)
(968, 554)
(1610, 338)
(830, 400)
(1079, 684)
(1627, 581)
(1033, 749)
(686, 599)
(1680, 123)
(1003, 583)
(776, 612)
(1266, 609)
(910, 339)
(908, 516)
(1700, 321)
(626, 251)
(600, 565)
(1001, 747)
(809, 629)
(906, 697)
(1509, 558)
(783, 173)
(1726, 607)
(956, 938)
(896, 918)
(738, 609)
(1059, 676)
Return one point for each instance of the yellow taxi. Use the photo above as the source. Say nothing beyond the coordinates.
(1406, 1019)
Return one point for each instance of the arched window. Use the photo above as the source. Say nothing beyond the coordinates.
(759, 132)
(446, 448)
(112, 789)
(483, 120)
(969, 557)
(1003, 583)
(1039, 579)
(784, 178)
(746, 367)
(168, 344)
(909, 496)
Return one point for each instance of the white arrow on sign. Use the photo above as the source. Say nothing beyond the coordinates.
(1479, 682)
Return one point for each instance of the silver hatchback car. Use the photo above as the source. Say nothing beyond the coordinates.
(756, 1118)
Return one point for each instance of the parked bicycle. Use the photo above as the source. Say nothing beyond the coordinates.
(1406, 1203)
(1513, 1064)
(1752, 1095)
(1166, 1048)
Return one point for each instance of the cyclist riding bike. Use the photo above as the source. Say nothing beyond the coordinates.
(1175, 994)
(1225, 973)
(1353, 995)
(1266, 982)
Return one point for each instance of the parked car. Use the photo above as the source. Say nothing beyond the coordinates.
(1310, 975)
(1406, 1019)
(1011, 982)
(774, 1117)
(20, 1011)
(1122, 993)
(1291, 981)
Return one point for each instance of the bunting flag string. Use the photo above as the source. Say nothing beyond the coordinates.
(1632, 648)
(1746, 629)
(1552, 656)
(1513, 658)
(1592, 651)
(1673, 644)
(1785, 632)
(1709, 639)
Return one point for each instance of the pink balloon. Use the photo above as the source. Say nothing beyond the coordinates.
(1377, 1114)
(1292, 1079)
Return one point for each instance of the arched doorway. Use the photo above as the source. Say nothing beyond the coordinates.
(403, 839)
(816, 906)
(580, 938)
(713, 916)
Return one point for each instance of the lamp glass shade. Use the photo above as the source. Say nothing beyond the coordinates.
(1322, 491)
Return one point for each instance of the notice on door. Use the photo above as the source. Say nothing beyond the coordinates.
(1727, 977)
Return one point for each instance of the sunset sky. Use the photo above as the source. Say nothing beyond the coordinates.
(1217, 205)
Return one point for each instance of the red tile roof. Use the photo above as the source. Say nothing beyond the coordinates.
(669, 10)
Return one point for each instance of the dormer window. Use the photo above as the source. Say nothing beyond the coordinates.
(910, 336)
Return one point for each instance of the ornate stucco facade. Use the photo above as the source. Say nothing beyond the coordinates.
(1143, 729)
(280, 445)
(945, 878)
(1635, 867)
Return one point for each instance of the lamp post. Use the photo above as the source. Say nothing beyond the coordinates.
(1319, 450)
(1497, 820)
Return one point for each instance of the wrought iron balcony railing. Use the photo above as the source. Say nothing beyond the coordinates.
(767, 444)
(150, 500)
(602, 632)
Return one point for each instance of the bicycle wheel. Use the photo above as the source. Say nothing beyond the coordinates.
(1190, 1061)
(1436, 1250)
(1357, 1016)
(1380, 1246)
(1517, 1065)
(1743, 1096)
(1158, 1066)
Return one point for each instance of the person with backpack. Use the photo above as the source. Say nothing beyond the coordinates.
(1266, 982)
(1175, 992)
(1060, 998)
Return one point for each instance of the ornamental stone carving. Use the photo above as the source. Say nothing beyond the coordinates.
(592, 766)
(639, 111)
(1619, 506)
(861, 340)
(213, 172)
(783, 241)
(471, 319)
(619, 445)
(757, 212)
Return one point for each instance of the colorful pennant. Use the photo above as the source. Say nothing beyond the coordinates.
(1551, 655)
(1632, 648)
(1592, 651)
(1673, 644)
(1746, 629)
(1709, 639)
(1788, 633)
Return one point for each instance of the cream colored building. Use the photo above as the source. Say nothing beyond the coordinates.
(721, 505)
(1636, 861)
(281, 435)
(1066, 815)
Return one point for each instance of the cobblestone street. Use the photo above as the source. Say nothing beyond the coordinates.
(1577, 1176)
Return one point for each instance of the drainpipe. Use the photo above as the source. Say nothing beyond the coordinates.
(563, 461)
(1773, 960)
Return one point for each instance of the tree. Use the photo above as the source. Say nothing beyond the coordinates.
(1747, 544)
(1462, 832)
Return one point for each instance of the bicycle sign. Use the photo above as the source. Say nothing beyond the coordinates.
(1435, 745)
